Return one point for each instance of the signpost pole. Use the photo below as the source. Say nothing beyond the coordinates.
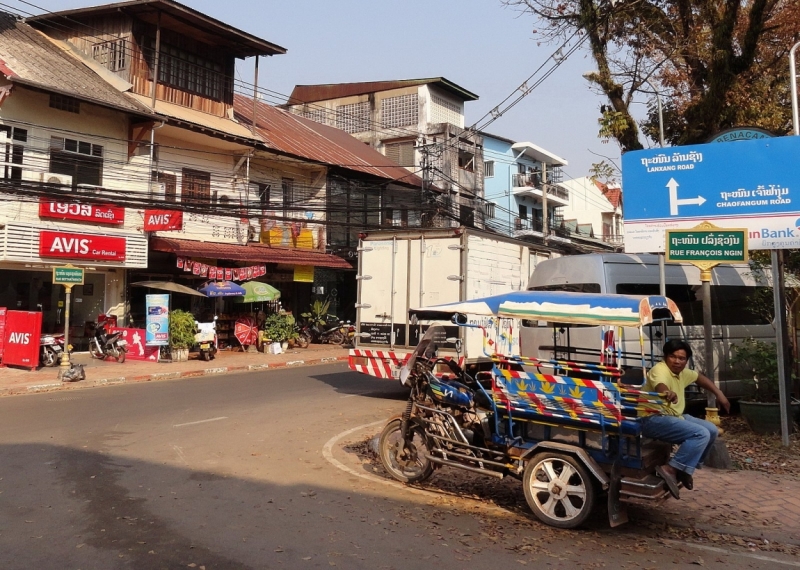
(781, 341)
(711, 370)
(65, 363)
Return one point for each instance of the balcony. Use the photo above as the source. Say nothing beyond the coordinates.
(530, 185)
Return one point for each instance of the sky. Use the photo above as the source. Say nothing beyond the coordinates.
(480, 45)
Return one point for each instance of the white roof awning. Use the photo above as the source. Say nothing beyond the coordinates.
(538, 154)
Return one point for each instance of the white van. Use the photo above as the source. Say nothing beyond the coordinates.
(733, 316)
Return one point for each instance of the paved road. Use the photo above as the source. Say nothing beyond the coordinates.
(229, 472)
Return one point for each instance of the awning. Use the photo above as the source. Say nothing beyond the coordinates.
(252, 252)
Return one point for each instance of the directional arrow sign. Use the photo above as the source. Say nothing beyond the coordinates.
(743, 184)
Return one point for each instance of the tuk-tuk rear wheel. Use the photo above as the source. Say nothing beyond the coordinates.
(559, 490)
(409, 464)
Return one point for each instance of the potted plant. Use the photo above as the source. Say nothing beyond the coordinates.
(279, 327)
(760, 407)
(181, 334)
(317, 315)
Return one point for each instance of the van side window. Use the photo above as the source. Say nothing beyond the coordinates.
(730, 304)
(573, 287)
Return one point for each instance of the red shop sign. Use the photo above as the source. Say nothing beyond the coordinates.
(23, 329)
(160, 220)
(81, 246)
(105, 214)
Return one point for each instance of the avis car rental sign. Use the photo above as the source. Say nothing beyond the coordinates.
(161, 220)
(22, 332)
(81, 246)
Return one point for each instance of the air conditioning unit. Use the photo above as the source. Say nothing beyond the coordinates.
(89, 189)
(47, 177)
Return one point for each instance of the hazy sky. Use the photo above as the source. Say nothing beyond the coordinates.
(477, 44)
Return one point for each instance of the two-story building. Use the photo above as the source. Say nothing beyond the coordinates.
(595, 209)
(116, 112)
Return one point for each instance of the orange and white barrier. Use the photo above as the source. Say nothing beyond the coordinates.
(378, 363)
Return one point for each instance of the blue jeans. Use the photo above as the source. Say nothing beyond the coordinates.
(694, 436)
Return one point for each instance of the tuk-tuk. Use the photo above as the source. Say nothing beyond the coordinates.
(568, 429)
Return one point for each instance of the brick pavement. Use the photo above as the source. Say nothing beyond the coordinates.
(741, 503)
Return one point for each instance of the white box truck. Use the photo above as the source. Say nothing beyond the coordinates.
(400, 270)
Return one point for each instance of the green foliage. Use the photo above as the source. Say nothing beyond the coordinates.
(181, 329)
(317, 314)
(603, 172)
(758, 360)
(279, 327)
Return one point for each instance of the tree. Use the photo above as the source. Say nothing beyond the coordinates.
(716, 63)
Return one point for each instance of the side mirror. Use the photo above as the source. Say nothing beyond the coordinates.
(404, 374)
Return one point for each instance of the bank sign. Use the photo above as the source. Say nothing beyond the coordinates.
(751, 184)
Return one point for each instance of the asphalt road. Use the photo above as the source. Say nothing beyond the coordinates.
(229, 472)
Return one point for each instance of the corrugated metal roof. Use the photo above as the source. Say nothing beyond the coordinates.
(252, 252)
(312, 93)
(174, 16)
(27, 57)
(291, 134)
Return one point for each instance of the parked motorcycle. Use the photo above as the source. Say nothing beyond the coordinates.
(336, 332)
(52, 348)
(206, 339)
(102, 344)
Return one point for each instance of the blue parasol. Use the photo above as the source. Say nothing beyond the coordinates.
(222, 289)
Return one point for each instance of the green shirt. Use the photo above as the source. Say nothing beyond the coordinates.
(661, 374)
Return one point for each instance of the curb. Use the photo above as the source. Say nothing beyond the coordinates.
(156, 376)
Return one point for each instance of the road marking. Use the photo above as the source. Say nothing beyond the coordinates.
(201, 422)
(732, 552)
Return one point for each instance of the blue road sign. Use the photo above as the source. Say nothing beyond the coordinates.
(753, 184)
(742, 178)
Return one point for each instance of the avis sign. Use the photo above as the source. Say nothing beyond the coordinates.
(162, 220)
(81, 246)
(22, 332)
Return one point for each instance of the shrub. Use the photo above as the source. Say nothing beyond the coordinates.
(181, 329)
(758, 360)
(280, 327)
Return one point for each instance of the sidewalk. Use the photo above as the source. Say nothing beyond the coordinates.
(103, 373)
(745, 504)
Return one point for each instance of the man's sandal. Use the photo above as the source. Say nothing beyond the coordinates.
(671, 482)
(686, 479)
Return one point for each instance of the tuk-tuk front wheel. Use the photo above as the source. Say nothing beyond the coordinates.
(405, 463)
(559, 490)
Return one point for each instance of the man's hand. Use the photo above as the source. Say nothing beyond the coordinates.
(671, 397)
(707, 384)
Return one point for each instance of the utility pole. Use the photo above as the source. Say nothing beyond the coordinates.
(545, 222)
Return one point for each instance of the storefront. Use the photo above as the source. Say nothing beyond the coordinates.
(299, 275)
(30, 251)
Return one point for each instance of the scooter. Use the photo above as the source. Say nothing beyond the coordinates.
(52, 347)
(103, 345)
(206, 339)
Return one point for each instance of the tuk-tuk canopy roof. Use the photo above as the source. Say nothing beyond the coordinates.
(562, 307)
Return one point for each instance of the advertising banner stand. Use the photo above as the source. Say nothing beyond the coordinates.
(157, 320)
(21, 338)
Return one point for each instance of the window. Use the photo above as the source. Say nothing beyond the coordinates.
(466, 216)
(14, 153)
(690, 302)
(489, 209)
(79, 159)
(523, 212)
(402, 111)
(64, 103)
(572, 287)
(287, 186)
(397, 217)
(400, 153)
(353, 118)
(195, 186)
(466, 160)
(488, 169)
(189, 72)
(111, 54)
(168, 186)
(263, 195)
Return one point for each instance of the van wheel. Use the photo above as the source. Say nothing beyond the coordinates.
(559, 490)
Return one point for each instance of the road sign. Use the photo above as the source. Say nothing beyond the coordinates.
(67, 275)
(753, 184)
(707, 244)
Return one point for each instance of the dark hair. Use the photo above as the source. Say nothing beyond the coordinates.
(674, 345)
